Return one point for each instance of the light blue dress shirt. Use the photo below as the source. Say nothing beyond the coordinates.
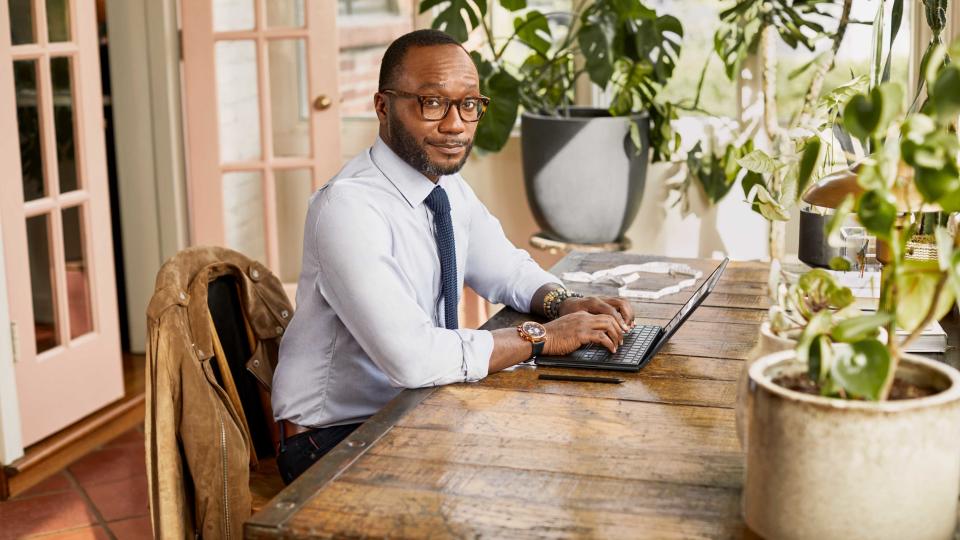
(369, 318)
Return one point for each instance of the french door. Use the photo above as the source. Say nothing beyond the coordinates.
(262, 121)
(55, 213)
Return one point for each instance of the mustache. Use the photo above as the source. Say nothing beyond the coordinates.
(449, 142)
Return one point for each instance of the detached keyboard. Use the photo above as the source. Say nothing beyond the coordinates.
(636, 343)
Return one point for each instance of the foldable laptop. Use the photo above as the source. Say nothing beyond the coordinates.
(641, 344)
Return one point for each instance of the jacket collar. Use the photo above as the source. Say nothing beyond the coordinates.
(411, 183)
(183, 281)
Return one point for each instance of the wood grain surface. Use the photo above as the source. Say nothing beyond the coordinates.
(516, 457)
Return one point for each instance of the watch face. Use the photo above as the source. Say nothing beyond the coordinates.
(534, 330)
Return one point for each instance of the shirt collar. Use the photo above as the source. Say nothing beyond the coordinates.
(412, 185)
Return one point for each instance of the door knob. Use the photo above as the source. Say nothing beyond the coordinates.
(322, 103)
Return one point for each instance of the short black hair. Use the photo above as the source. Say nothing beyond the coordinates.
(392, 61)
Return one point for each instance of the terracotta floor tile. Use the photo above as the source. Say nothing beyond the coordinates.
(121, 499)
(55, 484)
(132, 529)
(110, 464)
(86, 533)
(44, 514)
(134, 436)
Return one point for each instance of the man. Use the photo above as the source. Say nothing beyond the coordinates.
(388, 244)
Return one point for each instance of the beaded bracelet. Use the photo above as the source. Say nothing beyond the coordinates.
(553, 299)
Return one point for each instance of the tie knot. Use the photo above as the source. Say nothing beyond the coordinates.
(437, 201)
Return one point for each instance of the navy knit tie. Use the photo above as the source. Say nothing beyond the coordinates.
(443, 230)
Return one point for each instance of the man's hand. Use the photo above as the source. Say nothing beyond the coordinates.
(616, 307)
(569, 332)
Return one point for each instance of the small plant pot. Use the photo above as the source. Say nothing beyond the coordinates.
(827, 468)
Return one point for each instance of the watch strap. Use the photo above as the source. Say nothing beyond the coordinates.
(537, 349)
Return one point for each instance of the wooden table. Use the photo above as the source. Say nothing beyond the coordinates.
(514, 457)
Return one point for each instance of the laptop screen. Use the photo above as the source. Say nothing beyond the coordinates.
(691, 305)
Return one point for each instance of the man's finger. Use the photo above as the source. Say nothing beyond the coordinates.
(624, 308)
(601, 338)
(603, 306)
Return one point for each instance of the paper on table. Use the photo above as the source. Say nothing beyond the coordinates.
(625, 274)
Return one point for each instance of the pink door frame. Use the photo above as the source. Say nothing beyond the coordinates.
(204, 168)
(78, 376)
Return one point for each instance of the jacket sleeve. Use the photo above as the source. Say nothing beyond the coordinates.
(168, 510)
(366, 287)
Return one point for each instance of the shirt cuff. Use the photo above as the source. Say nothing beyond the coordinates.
(528, 285)
(477, 349)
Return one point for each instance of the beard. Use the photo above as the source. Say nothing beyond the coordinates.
(415, 154)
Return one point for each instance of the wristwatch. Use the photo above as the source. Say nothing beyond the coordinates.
(536, 334)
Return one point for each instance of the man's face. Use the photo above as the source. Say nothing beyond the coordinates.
(433, 147)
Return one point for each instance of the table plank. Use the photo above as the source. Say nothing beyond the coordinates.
(412, 513)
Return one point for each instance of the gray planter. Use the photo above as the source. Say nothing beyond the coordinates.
(583, 175)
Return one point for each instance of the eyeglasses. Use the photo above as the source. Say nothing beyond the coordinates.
(434, 108)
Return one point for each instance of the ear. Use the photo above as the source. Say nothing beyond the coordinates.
(380, 106)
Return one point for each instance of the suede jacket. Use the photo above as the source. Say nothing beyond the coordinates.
(199, 448)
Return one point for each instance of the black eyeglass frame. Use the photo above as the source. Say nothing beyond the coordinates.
(483, 100)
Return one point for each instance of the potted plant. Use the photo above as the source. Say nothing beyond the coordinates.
(850, 437)
(815, 297)
(584, 168)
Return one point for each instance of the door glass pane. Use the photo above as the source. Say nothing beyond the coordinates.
(289, 106)
(63, 122)
(58, 20)
(28, 126)
(243, 220)
(238, 100)
(21, 22)
(294, 188)
(78, 280)
(232, 15)
(41, 283)
(285, 13)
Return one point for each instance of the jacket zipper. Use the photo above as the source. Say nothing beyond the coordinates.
(223, 453)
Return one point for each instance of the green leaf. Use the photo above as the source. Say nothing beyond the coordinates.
(450, 19)
(866, 116)
(595, 45)
(809, 161)
(513, 5)
(862, 368)
(944, 247)
(861, 117)
(818, 325)
(818, 360)
(494, 128)
(858, 328)
(916, 283)
(840, 264)
(945, 93)
(759, 162)
(935, 183)
(534, 32)
(877, 212)
(836, 222)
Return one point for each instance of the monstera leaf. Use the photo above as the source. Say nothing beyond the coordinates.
(450, 19)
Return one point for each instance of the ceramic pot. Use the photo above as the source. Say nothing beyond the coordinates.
(767, 344)
(584, 175)
(830, 468)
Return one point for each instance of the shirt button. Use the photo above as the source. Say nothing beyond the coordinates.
(284, 314)
(279, 330)
(255, 274)
(256, 363)
(183, 296)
